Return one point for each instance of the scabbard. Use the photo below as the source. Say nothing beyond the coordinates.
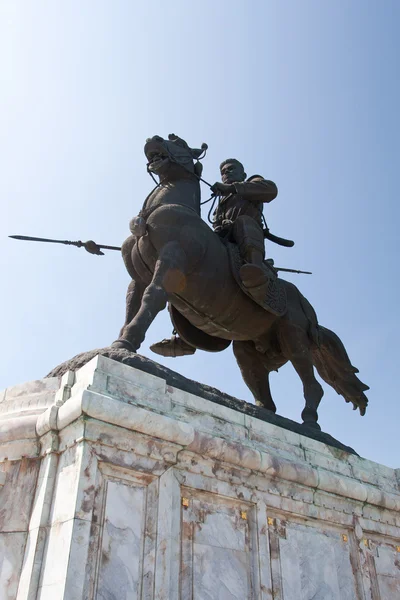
(277, 240)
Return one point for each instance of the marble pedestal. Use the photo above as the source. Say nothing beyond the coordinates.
(115, 485)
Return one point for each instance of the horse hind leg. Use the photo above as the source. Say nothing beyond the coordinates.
(255, 373)
(296, 347)
(168, 278)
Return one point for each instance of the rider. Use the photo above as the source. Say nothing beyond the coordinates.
(238, 217)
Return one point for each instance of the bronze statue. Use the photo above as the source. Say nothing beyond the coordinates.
(174, 257)
(237, 218)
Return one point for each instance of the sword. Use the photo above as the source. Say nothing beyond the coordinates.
(276, 239)
(90, 246)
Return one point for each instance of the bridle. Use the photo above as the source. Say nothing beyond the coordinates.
(183, 163)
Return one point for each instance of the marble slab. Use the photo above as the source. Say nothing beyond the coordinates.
(12, 546)
(121, 554)
(118, 486)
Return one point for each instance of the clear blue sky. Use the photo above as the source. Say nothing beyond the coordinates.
(302, 91)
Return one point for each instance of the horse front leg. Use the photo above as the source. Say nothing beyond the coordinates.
(169, 277)
(136, 287)
(134, 297)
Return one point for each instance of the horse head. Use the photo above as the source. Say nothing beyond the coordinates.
(173, 154)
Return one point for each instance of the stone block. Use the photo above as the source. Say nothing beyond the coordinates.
(142, 490)
(200, 405)
(17, 494)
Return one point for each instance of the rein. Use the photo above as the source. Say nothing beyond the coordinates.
(182, 164)
(213, 198)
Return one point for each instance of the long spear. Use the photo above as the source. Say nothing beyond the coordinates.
(90, 246)
(93, 248)
(292, 271)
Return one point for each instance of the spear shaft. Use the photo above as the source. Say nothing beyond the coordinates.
(292, 271)
(78, 244)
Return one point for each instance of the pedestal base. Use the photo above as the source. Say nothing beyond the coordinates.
(116, 485)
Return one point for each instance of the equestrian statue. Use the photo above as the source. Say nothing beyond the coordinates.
(219, 287)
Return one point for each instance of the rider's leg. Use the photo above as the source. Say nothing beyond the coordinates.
(249, 236)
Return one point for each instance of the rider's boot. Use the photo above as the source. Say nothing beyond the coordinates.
(255, 275)
(173, 347)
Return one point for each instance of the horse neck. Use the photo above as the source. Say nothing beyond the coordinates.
(184, 191)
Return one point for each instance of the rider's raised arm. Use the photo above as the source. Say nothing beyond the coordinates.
(257, 189)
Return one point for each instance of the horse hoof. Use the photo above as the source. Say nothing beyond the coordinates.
(121, 343)
(311, 425)
(269, 407)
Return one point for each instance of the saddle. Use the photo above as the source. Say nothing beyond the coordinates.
(275, 300)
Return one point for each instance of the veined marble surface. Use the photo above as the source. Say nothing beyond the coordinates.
(116, 486)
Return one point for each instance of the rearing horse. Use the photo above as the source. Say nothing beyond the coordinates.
(173, 256)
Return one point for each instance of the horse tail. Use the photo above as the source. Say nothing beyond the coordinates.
(333, 365)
